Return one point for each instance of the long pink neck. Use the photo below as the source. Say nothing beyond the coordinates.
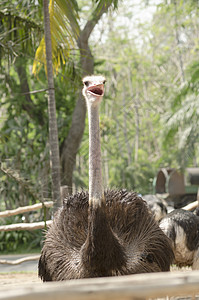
(96, 193)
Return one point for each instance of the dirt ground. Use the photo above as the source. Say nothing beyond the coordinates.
(16, 279)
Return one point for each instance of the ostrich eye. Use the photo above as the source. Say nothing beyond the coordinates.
(86, 83)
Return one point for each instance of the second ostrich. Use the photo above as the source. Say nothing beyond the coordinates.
(102, 233)
(182, 227)
(157, 206)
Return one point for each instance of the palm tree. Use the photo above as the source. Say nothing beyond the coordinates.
(53, 134)
(27, 18)
(72, 141)
(53, 21)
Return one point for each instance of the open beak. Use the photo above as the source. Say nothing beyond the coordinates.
(96, 90)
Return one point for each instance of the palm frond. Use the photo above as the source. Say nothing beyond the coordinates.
(182, 122)
(190, 87)
(114, 3)
(18, 32)
(64, 29)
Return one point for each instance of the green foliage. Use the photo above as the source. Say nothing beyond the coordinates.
(14, 241)
(149, 117)
(150, 88)
(182, 121)
(20, 23)
(24, 150)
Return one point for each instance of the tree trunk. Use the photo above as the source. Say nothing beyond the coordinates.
(136, 111)
(53, 134)
(125, 127)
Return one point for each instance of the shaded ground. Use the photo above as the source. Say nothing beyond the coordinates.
(16, 275)
(28, 266)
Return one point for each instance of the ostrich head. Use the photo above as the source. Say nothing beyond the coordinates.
(93, 92)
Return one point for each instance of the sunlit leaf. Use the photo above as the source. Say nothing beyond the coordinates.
(64, 30)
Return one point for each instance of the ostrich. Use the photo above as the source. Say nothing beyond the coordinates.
(157, 206)
(182, 227)
(102, 233)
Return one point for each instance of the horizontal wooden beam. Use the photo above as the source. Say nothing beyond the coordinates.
(21, 210)
(25, 226)
(141, 286)
(191, 205)
(19, 261)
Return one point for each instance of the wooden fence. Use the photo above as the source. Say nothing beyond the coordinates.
(183, 285)
(24, 226)
(28, 226)
(21, 210)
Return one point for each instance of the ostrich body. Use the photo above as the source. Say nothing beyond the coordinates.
(182, 227)
(102, 233)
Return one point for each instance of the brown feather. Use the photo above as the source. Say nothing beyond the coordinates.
(119, 238)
